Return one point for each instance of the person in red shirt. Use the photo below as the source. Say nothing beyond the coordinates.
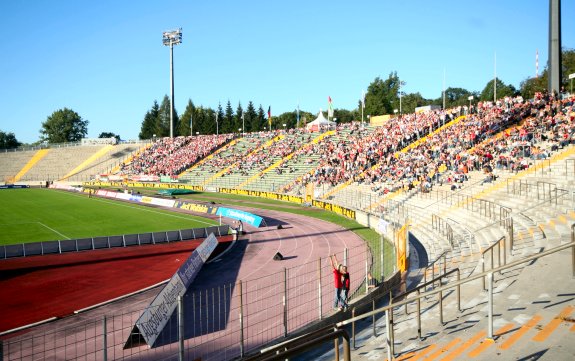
(341, 283)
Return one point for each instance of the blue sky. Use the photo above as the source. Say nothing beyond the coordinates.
(105, 59)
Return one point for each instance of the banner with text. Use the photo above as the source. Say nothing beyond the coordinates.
(249, 218)
(263, 194)
(156, 315)
(196, 207)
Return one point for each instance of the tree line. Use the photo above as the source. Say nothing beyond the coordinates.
(383, 96)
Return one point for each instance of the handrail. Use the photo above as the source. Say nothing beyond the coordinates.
(441, 289)
(440, 298)
(444, 228)
(425, 284)
(468, 235)
(519, 211)
(311, 341)
(467, 280)
(451, 194)
(490, 249)
(432, 265)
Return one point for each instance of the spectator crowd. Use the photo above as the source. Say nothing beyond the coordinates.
(508, 134)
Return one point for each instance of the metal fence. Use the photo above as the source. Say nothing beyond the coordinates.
(92, 243)
(219, 323)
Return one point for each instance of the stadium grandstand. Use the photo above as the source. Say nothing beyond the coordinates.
(478, 204)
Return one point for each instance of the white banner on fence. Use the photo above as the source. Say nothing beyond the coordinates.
(162, 202)
(156, 315)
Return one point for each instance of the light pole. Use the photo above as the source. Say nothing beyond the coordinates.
(171, 38)
(470, 98)
(244, 122)
(395, 112)
(571, 77)
(217, 125)
(284, 124)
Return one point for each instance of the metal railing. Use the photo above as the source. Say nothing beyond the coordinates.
(489, 274)
(306, 342)
(439, 300)
(541, 190)
(443, 227)
(499, 245)
(92, 243)
(442, 256)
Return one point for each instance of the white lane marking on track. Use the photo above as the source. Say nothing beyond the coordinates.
(146, 209)
(53, 230)
(279, 287)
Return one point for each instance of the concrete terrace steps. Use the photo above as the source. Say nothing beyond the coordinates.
(461, 255)
(12, 162)
(108, 161)
(519, 306)
(533, 316)
(59, 161)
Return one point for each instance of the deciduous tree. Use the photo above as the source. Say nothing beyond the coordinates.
(64, 125)
(8, 141)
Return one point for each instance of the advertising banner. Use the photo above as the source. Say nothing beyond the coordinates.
(124, 196)
(195, 207)
(146, 199)
(162, 202)
(249, 218)
(262, 194)
(13, 186)
(156, 315)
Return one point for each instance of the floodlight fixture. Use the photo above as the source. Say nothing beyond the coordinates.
(171, 38)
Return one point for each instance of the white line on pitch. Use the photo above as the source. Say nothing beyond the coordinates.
(53, 230)
(143, 208)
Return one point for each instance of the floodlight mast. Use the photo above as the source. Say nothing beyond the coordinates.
(171, 38)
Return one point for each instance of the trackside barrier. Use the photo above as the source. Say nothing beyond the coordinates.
(126, 240)
(490, 277)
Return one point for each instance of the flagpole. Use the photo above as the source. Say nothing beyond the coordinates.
(537, 63)
(297, 118)
(495, 79)
(443, 88)
(362, 106)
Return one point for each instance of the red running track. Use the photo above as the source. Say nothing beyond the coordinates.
(36, 288)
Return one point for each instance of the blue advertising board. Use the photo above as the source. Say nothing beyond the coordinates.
(249, 218)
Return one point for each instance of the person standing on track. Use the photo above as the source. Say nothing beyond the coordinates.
(341, 283)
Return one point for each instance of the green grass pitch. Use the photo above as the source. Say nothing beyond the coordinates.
(33, 215)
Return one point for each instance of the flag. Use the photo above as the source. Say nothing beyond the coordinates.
(270, 116)
(329, 107)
